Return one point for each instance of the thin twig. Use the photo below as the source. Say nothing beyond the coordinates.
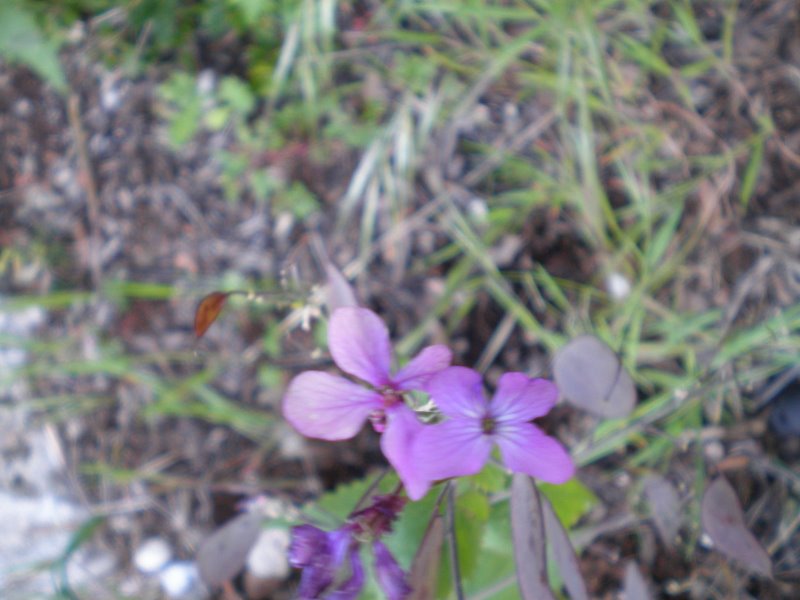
(783, 536)
(90, 185)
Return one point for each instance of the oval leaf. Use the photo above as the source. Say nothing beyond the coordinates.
(208, 310)
(634, 586)
(224, 553)
(723, 521)
(590, 375)
(563, 553)
(527, 532)
(425, 567)
(665, 507)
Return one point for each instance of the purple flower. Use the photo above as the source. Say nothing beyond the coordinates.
(461, 444)
(390, 576)
(329, 407)
(322, 556)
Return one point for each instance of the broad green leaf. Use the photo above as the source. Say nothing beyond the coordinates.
(570, 500)
(492, 478)
(22, 41)
(340, 502)
(408, 531)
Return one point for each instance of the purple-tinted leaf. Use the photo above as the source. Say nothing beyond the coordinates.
(634, 586)
(589, 374)
(339, 292)
(665, 507)
(527, 532)
(723, 521)
(425, 567)
(564, 553)
(224, 553)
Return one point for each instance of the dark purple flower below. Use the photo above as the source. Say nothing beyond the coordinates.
(331, 561)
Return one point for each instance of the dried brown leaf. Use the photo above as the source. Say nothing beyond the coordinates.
(208, 310)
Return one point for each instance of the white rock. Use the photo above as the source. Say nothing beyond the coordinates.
(268, 557)
(617, 286)
(291, 445)
(152, 555)
(181, 580)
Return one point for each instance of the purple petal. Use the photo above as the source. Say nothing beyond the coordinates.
(341, 540)
(458, 392)
(525, 449)
(324, 406)
(519, 398)
(422, 367)
(307, 542)
(311, 550)
(359, 344)
(351, 587)
(339, 292)
(402, 426)
(390, 576)
(451, 449)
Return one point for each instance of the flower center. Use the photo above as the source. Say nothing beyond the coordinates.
(390, 397)
(488, 425)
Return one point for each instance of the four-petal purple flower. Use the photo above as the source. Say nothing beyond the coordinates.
(461, 444)
(329, 407)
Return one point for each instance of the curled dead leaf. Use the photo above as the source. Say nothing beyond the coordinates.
(208, 310)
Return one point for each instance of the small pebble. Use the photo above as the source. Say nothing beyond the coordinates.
(292, 445)
(714, 451)
(617, 286)
(267, 558)
(152, 555)
(180, 580)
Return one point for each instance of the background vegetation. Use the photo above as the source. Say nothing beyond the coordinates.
(498, 176)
